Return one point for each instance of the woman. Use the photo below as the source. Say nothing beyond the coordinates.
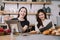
(22, 17)
(43, 23)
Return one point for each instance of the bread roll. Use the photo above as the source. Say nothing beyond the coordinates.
(33, 32)
(46, 32)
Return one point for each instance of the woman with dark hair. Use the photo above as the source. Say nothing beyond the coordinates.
(42, 22)
(22, 8)
(22, 17)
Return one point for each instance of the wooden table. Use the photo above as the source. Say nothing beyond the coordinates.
(7, 37)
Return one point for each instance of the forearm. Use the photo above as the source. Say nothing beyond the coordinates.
(25, 28)
(37, 29)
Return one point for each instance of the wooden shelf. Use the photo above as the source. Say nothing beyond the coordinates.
(41, 2)
(1, 12)
(48, 13)
(12, 13)
(10, 2)
(3, 24)
(24, 2)
(15, 2)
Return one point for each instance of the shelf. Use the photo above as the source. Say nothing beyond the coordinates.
(48, 13)
(10, 2)
(36, 13)
(1, 12)
(41, 2)
(3, 24)
(12, 13)
(15, 2)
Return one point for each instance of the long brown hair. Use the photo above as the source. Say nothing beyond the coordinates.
(26, 13)
(38, 19)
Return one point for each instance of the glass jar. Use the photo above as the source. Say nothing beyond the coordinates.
(2, 8)
(44, 8)
(0, 18)
(48, 10)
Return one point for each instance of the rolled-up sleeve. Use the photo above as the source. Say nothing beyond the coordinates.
(36, 28)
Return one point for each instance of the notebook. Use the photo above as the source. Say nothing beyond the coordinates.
(49, 25)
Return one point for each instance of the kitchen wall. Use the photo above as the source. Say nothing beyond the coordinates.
(1, 2)
(32, 18)
(54, 11)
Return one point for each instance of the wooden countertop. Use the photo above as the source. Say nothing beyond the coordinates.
(7, 37)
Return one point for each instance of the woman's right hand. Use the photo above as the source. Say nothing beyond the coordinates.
(40, 27)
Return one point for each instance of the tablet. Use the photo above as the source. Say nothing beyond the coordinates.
(15, 23)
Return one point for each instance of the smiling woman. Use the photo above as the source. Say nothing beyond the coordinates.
(43, 23)
(22, 17)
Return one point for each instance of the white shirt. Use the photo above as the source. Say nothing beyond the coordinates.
(45, 22)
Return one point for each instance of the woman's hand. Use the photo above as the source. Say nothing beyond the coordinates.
(25, 28)
(40, 27)
(33, 32)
